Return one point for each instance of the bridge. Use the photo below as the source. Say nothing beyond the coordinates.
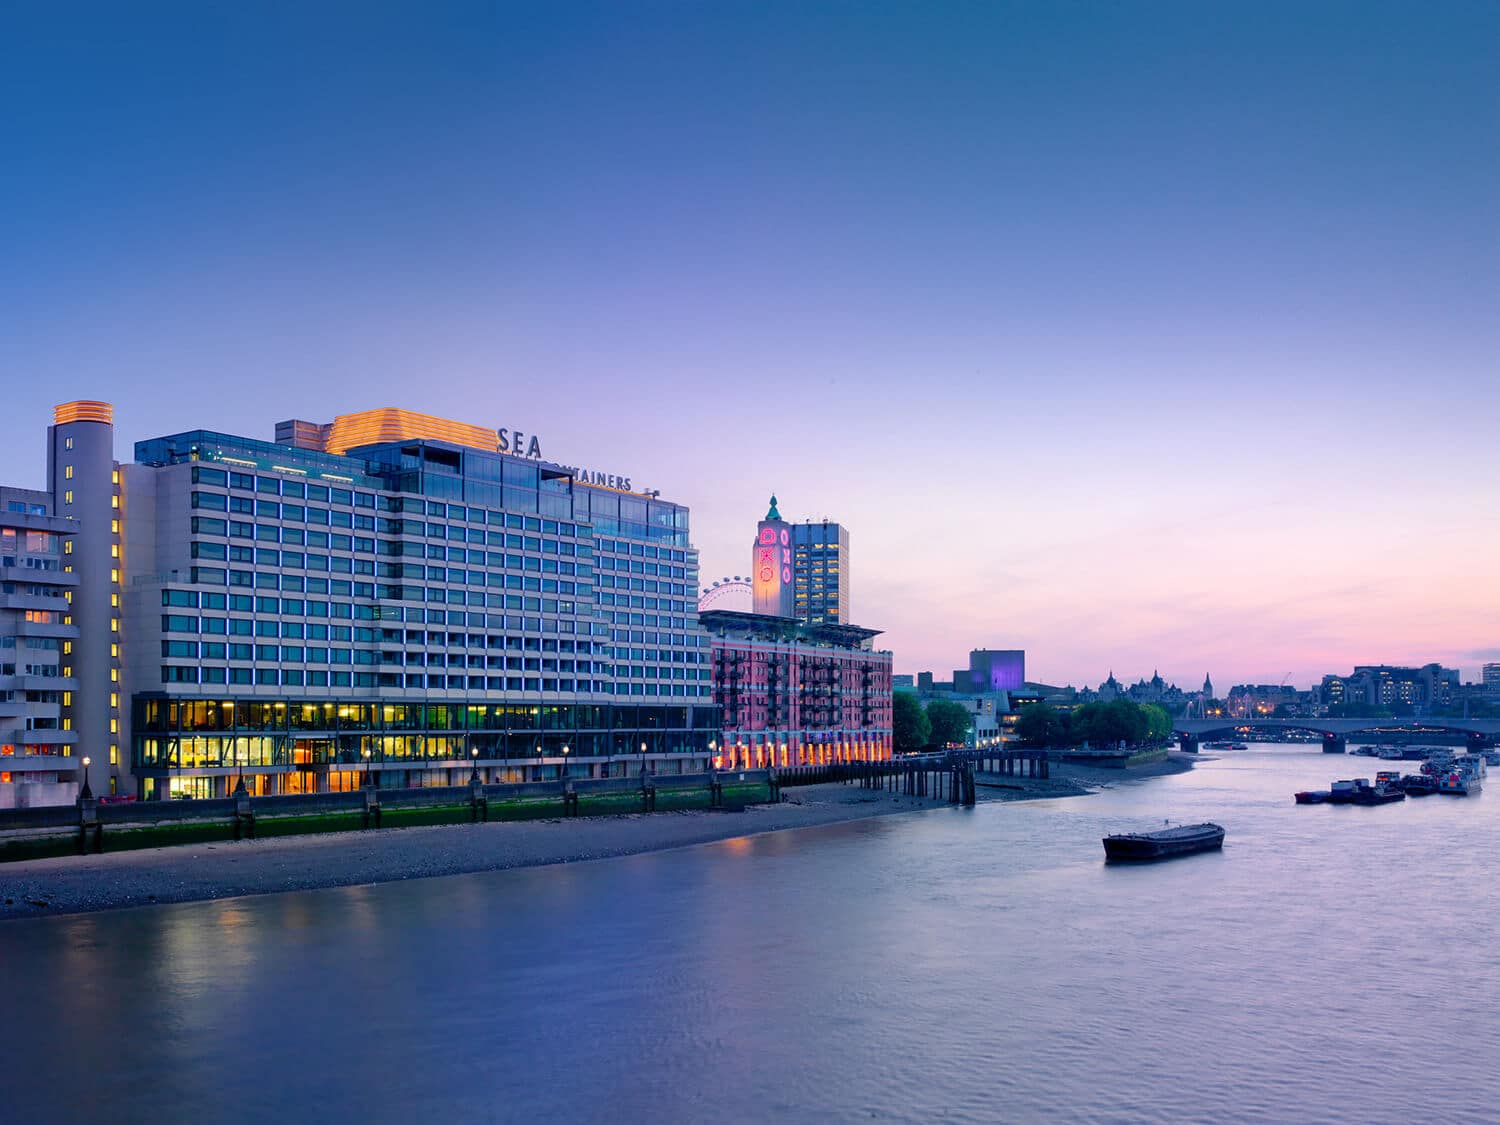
(1336, 732)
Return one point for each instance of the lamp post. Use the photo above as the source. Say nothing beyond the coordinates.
(474, 776)
(565, 760)
(367, 767)
(713, 748)
(86, 793)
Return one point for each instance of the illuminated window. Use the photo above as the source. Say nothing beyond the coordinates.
(67, 472)
(68, 496)
(114, 526)
(114, 550)
(67, 648)
(67, 698)
(114, 726)
(114, 675)
(114, 624)
(67, 443)
(114, 699)
(67, 724)
(68, 547)
(114, 501)
(114, 477)
(114, 576)
(114, 650)
(114, 600)
(114, 756)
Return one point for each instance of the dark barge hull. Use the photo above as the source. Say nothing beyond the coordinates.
(1143, 846)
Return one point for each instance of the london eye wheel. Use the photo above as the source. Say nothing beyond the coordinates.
(727, 593)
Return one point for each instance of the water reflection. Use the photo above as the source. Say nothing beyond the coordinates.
(972, 966)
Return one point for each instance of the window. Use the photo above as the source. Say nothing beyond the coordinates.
(67, 472)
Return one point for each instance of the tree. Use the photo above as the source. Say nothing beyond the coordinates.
(1041, 725)
(949, 721)
(1158, 722)
(910, 727)
(1104, 724)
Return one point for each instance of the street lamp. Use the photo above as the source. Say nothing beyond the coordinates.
(565, 760)
(86, 792)
(367, 767)
(474, 777)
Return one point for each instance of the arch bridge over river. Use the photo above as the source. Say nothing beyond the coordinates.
(1336, 733)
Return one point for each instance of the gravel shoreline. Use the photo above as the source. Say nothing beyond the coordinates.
(196, 872)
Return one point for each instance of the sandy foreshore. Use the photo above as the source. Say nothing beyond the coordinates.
(189, 873)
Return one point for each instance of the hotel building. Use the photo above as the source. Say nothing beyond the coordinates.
(389, 595)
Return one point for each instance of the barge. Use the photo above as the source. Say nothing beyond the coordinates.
(1164, 843)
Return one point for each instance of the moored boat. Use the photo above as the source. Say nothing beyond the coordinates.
(1311, 796)
(1165, 842)
(1359, 791)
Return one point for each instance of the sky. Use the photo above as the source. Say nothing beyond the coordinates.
(1137, 335)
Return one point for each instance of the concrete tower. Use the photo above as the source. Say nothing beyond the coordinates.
(771, 576)
(83, 478)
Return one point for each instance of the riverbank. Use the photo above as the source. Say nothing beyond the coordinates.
(1071, 779)
(227, 869)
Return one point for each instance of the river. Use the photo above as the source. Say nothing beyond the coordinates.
(1332, 964)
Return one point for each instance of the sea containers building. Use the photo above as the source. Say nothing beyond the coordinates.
(796, 694)
(307, 613)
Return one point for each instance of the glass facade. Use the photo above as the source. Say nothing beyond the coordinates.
(417, 600)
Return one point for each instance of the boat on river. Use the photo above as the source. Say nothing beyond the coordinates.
(1165, 842)
(1359, 791)
(1311, 796)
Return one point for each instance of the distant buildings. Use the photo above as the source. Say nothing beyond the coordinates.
(992, 669)
(992, 688)
(1490, 677)
(1155, 690)
(1392, 686)
(1264, 701)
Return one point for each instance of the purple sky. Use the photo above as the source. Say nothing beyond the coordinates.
(1136, 335)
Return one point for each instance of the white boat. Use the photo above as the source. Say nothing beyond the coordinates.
(1464, 776)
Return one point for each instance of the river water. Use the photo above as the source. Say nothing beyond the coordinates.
(1332, 964)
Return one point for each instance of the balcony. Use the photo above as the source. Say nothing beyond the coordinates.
(54, 629)
(56, 603)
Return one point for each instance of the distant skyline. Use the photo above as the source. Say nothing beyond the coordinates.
(1137, 336)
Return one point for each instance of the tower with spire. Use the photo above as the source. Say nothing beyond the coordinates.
(771, 578)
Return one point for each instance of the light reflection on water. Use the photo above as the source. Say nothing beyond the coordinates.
(1332, 964)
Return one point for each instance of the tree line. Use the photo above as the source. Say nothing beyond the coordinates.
(945, 723)
(1098, 724)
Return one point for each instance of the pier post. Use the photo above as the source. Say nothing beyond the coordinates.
(244, 815)
(89, 831)
(372, 810)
